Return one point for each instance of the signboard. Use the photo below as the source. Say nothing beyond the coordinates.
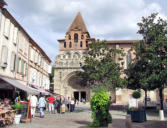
(26, 112)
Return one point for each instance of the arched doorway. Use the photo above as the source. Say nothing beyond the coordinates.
(75, 89)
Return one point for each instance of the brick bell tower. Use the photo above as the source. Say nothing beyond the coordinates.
(72, 51)
(77, 36)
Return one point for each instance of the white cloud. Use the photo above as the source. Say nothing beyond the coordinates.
(48, 20)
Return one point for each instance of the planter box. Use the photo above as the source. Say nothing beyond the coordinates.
(137, 115)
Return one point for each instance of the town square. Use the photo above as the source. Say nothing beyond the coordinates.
(83, 63)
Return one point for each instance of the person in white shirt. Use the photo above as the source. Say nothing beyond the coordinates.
(33, 102)
(72, 105)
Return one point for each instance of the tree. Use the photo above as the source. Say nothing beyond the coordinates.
(100, 68)
(138, 71)
(101, 71)
(154, 32)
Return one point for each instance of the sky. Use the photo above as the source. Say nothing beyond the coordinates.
(46, 21)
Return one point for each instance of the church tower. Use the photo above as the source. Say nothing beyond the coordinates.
(77, 36)
(72, 51)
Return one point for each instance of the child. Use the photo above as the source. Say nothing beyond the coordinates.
(63, 108)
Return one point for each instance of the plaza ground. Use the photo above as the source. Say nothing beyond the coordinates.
(82, 117)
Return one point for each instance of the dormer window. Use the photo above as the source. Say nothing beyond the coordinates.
(69, 37)
(75, 37)
(82, 36)
(64, 44)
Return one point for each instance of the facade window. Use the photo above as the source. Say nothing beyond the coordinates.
(22, 67)
(64, 44)
(82, 36)
(81, 44)
(18, 64)
(70, 45)
(75, 46)
(7, 28)
(128, 59)
(75, 37)
(86, 43)
(13, 60)
(4, 56)
(69, 37)
(15, 31)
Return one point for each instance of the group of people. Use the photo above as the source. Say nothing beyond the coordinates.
(5, 105)
(51, 104)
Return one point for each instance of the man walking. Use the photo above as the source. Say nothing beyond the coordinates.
(51, 105)
(41, 105)
(33, 101)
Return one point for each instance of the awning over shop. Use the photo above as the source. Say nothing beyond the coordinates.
(20, 86)
(43, 91)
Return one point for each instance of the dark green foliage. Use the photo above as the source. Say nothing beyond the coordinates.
(149, 69)
(136, 94)
(100, 68)
(100, 103)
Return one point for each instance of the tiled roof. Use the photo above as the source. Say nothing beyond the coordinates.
(78, 23)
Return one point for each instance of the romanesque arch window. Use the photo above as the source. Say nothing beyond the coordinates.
(70, 45)
(86, 43)
(64, 44)
(82, 36)
(81, 44)
(75, 37)
(69, 37)
(128, 59)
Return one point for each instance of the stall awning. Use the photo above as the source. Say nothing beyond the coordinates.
(43, 91)
(20, 86)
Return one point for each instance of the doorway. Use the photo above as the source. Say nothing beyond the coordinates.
(83, 96)
(76, 95)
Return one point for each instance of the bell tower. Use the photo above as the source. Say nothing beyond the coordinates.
(77, 36)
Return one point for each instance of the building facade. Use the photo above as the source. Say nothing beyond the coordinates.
(73, 49)
(21, 58)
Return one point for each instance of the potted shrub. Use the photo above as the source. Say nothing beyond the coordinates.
(137, 113)
(18, 108)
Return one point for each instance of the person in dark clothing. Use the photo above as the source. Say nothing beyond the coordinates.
(58, 100)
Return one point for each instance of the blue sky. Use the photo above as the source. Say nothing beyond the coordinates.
(48, 20)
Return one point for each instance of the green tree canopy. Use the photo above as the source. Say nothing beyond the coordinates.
(100, 68)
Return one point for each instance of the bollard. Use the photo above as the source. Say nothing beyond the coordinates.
(128, 123)
(110, 126)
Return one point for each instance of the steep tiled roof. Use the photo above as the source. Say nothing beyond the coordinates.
(78, 23)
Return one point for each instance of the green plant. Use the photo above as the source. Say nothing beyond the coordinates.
(100, 103)
(17, 106)
(136, 94)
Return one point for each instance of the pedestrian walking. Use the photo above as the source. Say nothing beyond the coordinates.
(68, 103)
(51, 106)
(63, 107)
(72, 105)
(58, 100)
(33, 102)
(41, 105)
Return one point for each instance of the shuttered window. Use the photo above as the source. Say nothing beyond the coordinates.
(4, 55)
(15, 30)
(22, 67)
(18, 64)
(7, 27)
(12, 63)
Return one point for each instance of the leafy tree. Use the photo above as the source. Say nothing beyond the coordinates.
(154, 57)
(100, 68)
(138, 71)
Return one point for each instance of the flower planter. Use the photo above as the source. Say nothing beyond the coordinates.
(137, 115)
(17, 119)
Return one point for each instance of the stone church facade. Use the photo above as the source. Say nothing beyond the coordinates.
(72, 50)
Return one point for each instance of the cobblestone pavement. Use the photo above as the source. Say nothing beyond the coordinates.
(82, 117)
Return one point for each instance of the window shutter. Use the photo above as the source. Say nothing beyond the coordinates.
(22, 67)
(18, 65)
(13, 59)
(7, 26)
(4, 54)
(15, 35)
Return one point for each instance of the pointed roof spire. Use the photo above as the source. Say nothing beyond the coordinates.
(78, 23)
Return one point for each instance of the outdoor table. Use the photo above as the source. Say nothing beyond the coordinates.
(7, 116)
